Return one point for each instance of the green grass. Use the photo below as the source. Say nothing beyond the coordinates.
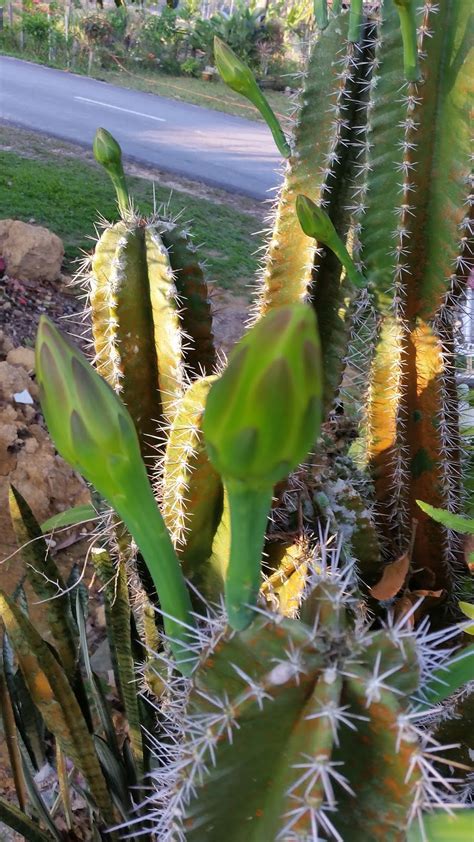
(67, 195)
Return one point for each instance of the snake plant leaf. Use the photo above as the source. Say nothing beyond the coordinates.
(441, 827)
(64, 785)
(450, 678)
(45, 579)
(13, 817)
(457, 523)
(11, 740)
(37, 802)
(115, 775)
(28, 721)
(99, 699)
(71, 517)
(51, 692)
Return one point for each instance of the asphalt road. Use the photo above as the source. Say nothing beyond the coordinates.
(195, 142)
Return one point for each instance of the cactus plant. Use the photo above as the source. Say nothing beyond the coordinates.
(302, 729)
(381, 144)
(281, 717)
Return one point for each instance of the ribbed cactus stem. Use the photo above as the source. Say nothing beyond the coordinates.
(249, 511)
(191, 489)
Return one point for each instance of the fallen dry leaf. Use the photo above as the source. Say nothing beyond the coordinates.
(407, 601)
(393, 578)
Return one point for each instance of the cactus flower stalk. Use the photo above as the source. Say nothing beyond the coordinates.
(237, 76)
(108, 153)
(254, 440)
(317, 224)
(94, 432)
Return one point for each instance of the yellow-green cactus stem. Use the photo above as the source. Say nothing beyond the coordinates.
(417, 168)
(199, 354)
(135, 324)
(191, 489)
(93, 431)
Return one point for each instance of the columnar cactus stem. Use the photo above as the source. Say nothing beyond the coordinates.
(347, 760)
(135, 324)
(190, 488)
(428, 125)
(321, 124)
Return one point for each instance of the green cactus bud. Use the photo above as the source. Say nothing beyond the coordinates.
(237, 76)
(261, 418)
(317, 224)
(251, 436)
(108, 153)
(94, 432)
(84, 415)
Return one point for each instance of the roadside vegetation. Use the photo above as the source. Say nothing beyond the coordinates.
(66, 194)
(166, 51)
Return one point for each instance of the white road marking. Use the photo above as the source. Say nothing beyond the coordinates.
(118, 108)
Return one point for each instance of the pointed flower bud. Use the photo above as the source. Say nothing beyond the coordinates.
(108, 154)
(264, 413)
(233, 71)
(316, 223)
(89, 424)
(237, 76)
(107, 151)
(94, 432)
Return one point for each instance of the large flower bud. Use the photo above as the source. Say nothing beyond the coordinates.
(90, 426)
(264, 413)
(94, 432)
